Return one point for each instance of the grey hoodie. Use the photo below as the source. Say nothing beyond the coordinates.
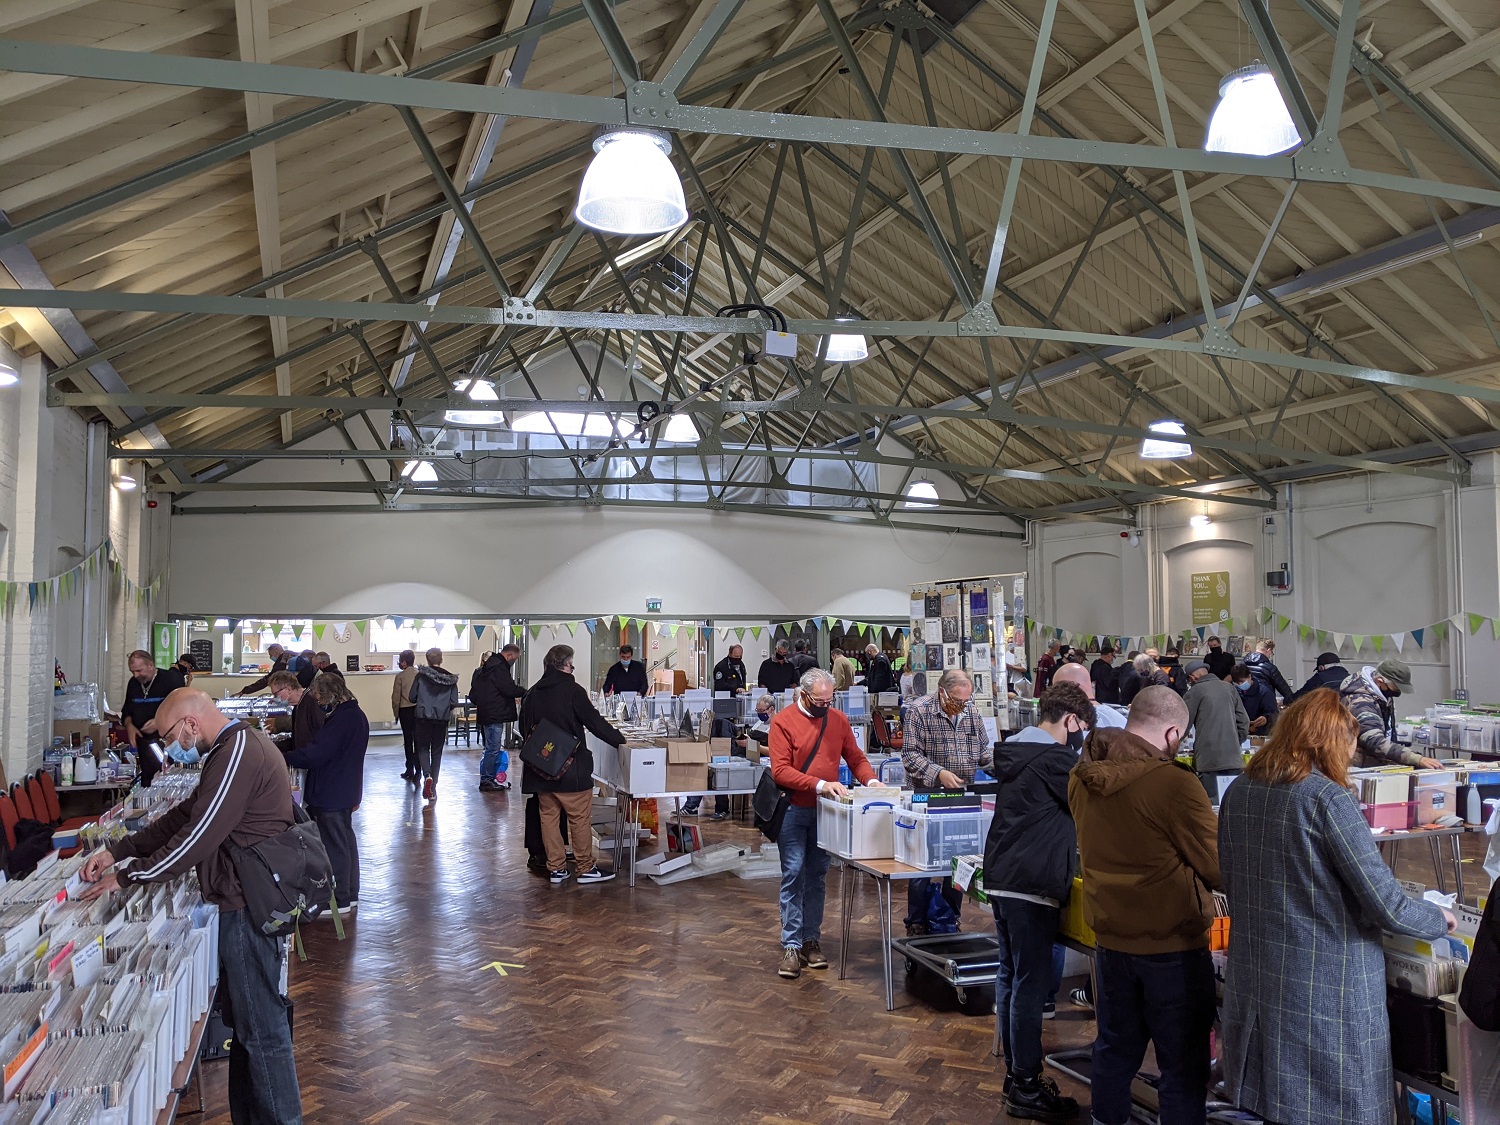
(435, 692)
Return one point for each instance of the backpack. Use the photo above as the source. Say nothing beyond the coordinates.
(287, 878)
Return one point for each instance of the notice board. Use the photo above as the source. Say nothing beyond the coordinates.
(1210, 597)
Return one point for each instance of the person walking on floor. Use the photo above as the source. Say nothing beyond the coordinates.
(1028, 875)
(561, 700)
(434, 692)
(807, 742)
(493, 691)
(335, 763)
(1220, 726)
(1306, 1037)
(243, 796)
(1149, 854)
(943, 743)
(405, 712)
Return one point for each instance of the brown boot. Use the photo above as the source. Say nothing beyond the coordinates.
(812, 956)
(791, 963)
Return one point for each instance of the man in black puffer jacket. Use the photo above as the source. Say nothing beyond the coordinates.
(494, 693)
(1329, 673)
(560, 699)
(1263, 669)
(1028, 874)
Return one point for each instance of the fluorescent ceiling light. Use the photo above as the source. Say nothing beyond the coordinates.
(1156, 449)
(1201, 519)
(1382, 268)
(1251, 118)
(921, 494)
(631, 187)
(9, 377)
(421, 472)
(846, 348)
(125, 482)
(565, 424)
(478, 390)
(681, 430)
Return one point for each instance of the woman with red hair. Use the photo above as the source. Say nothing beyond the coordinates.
(1306, 1040)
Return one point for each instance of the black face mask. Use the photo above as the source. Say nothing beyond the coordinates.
(816, 710)
(1075, 741)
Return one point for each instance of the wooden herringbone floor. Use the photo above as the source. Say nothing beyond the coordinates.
(658, 1004)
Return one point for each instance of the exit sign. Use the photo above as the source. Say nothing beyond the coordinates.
(653, 605)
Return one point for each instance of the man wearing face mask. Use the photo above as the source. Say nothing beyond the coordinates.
(1149, 853)
(1368, 694)
(242, 798)
(943, 743)
(808, 740)
(628, 674)
(777, 673)
(1028, 874)
(144, 693)
(307, 716)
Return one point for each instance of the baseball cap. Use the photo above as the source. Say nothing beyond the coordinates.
(1327, 658)
(1395, 672)
(1196, 666)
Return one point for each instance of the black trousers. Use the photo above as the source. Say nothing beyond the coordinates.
(408, 719)
(432, 736)
(336, 826)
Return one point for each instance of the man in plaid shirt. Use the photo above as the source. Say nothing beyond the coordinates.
(943, 743)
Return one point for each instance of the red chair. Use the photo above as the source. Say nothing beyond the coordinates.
(22, 801)
(38, 800)
(8, 818)
(48, 801)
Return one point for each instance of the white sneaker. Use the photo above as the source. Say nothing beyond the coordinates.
(595, 876)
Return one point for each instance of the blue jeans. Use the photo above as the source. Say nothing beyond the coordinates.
(1059, 964)
(1166, 999)
(262, 1072)
(1026, 931)
(495, 757)
(804, 877)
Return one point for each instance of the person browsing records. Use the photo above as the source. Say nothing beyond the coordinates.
(626, 674)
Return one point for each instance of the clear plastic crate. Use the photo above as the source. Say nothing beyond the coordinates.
(856, 831)
(930, 840)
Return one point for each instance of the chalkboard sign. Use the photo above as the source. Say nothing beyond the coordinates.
(202, 653)
(351, 663)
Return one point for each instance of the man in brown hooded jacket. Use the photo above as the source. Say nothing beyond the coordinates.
(1148, 846)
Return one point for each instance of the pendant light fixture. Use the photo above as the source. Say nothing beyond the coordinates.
(848, 348)
(478, 390)
(420, 472)
(1251, 118)
(1160, 449)
(1201, 519)
(680, 430)
(921, 494)
(630, 187)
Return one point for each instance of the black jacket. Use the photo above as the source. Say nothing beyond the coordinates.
(335, 759)
(1176, 673)
(493, 691)
(435, 692)
(1128, 683)
(1330, 677)
(1267, 673)
(560, 698)
(729, 675)
(308, 718)
(1106, 679)
(776, 675)
(1480, 995)
(1259, 701)
(1032, 841)
(879, 677)
(1220, 663)
(802, 663)
(261, 684)
(619, 679)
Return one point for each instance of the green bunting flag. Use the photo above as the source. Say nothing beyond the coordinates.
(536, 632)
(1282, 622)
(362, 626)
(756, 631)
(1440, 630)
(319, 629)
(1475, 621)
(458, 630)
(1379, 642)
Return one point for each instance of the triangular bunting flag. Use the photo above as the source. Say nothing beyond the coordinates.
(478, 631)
(458, 630)
(591, 624)
(1359, 642)
(1399, 640)
(1303, 632)
(399, 621)
(1339, 639)
(1282, 622)
(1379, 642)
(1475, 621)
(1416, 635)
(1322, 637)
(1265, 614)
(362, 626)
(756, 630)
(1440, 629)
(319, 629)
(739, 632)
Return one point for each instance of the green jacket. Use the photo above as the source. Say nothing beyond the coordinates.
(1373, 713)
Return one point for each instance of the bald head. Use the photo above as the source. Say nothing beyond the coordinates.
(1158, 716)
(1075, 674)
(190, 716)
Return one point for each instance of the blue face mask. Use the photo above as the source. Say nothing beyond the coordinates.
(182, 755)
(624, 662)
(1244, 686)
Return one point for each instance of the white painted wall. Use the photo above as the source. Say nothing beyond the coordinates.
(562, 563)
(1369, 554)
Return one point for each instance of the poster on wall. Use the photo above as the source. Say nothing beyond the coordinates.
(979, 657)
(918, 609)
(950, 604)
(1210, 597)
(918, 659)
(979, 631)
(950, 629)
(932, 605)
(932, 631)
(164, 643)
(950, 656)
(934, 656)
(979, 603)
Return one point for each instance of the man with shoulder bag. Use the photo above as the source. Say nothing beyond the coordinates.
(243, 799)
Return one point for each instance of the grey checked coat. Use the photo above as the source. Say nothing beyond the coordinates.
(1305, 1033)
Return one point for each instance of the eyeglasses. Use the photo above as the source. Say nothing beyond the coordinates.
(170, 732)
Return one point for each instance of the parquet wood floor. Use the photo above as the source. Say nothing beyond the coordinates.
(651, 1005)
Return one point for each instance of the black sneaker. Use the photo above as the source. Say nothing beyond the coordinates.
(557, 878)
(536, 865)
(719, 816)
(1049, 1011)
(1038, 1099)
(488, 786)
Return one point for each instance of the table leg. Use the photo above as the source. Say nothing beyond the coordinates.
(1456, 842)
(633, 826)
(883, 894)
(1435, 846)
(846, 915)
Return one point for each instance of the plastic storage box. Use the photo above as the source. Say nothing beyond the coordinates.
(1397, 816)
(738, 774)
(930, 840)
(856, 831)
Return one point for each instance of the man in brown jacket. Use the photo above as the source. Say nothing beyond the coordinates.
(244, 796)
(1148, 848)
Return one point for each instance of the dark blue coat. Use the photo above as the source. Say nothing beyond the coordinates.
(335, 760)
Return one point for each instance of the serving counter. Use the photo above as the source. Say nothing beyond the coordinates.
(372, 689)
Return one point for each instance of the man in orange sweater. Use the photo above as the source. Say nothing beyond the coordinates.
(807, 741)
